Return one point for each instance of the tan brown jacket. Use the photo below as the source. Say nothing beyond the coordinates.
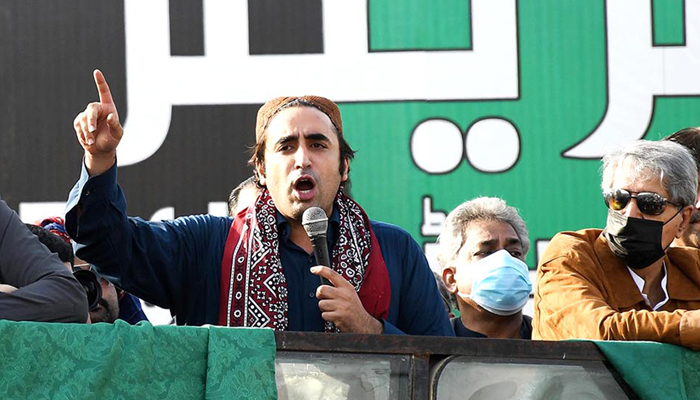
(585, 292)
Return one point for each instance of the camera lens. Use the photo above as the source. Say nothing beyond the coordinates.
(91, 284)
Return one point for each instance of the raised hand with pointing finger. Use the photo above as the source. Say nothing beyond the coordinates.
(98, 129)
(255, 271)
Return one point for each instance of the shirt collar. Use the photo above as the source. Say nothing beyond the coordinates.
(639, 281)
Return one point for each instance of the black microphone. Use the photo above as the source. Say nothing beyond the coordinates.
(315, 224)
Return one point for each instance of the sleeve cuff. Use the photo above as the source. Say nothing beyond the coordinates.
(88, 185)
(85, 190)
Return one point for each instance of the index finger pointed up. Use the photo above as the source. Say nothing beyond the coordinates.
(102, 87)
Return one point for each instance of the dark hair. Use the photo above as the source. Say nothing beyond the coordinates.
(235, 193)
(690, 138)
(54, 243)
(346, 152)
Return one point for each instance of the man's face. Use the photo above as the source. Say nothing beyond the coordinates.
(691, 235)
(674, 225)
(484, 237)
(302, 160)
(108, 306)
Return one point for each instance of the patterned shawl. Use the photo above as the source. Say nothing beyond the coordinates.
(253, 286)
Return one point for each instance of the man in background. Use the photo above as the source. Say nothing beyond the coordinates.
(626, 282)
(243, 196)
(482, 250)
(108, 303)
(690, 138)
(34, 284)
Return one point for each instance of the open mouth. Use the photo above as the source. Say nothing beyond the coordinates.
(304, 185)
(305, 188)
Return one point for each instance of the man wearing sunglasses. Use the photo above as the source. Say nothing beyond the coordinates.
(625, 282)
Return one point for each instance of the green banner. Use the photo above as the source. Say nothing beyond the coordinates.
(607, 72)
(444, 100)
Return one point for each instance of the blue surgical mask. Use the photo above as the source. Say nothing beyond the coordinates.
(500, 283)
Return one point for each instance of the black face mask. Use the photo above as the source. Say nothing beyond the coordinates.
(635, 241)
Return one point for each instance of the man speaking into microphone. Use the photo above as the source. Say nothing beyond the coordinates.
(258, 269)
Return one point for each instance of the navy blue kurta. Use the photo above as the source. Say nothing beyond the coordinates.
(176, 264)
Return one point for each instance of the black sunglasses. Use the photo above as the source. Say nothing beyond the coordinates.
(649, 203)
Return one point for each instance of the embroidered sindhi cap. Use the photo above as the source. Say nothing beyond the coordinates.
(272, 107)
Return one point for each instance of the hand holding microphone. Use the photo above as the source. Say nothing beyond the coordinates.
(315, 224)
(338, 301)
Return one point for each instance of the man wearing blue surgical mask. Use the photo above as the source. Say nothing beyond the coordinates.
(626, 282)
(482, 249)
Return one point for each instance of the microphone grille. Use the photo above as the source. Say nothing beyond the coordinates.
(315, 221)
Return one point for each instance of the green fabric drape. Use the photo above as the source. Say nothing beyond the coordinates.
(656, 370)
(241, 364)
(120, 361)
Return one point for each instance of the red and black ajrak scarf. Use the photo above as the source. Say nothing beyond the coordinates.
(253, 286)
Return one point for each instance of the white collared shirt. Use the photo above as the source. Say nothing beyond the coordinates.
(639, 281)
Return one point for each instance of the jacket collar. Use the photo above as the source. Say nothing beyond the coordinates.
(682, 266)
